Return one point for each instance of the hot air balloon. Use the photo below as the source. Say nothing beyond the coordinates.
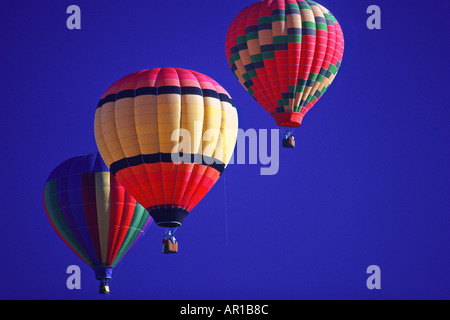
(167, 134)
(93, 214)
(285, 53)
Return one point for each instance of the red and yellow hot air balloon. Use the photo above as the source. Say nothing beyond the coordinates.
(285, 53)
(166, 134)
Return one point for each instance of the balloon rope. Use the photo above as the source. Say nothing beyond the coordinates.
(284, 130)
(226, 213)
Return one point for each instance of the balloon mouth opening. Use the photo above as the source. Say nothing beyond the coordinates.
(288, 119)
(289, 124)
(168, 217)
(169, 224)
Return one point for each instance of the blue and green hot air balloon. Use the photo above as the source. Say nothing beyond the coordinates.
(93, 214)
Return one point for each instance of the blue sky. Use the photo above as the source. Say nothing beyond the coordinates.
(367, 184)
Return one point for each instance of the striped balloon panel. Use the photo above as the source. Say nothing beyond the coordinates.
(92, 212)
(285, 53)
(167, 134)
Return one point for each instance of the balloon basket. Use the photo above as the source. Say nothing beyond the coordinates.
(169, 246)
(288, 142)
(104, 287)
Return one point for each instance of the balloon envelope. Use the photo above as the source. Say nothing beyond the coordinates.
(167, 135)
(285, 53)
(93, 214)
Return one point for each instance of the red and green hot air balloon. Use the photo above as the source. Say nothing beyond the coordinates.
(285, 53)
(167, 134)
(93, 214)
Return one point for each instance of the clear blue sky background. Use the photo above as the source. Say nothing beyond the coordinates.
(368, 182)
